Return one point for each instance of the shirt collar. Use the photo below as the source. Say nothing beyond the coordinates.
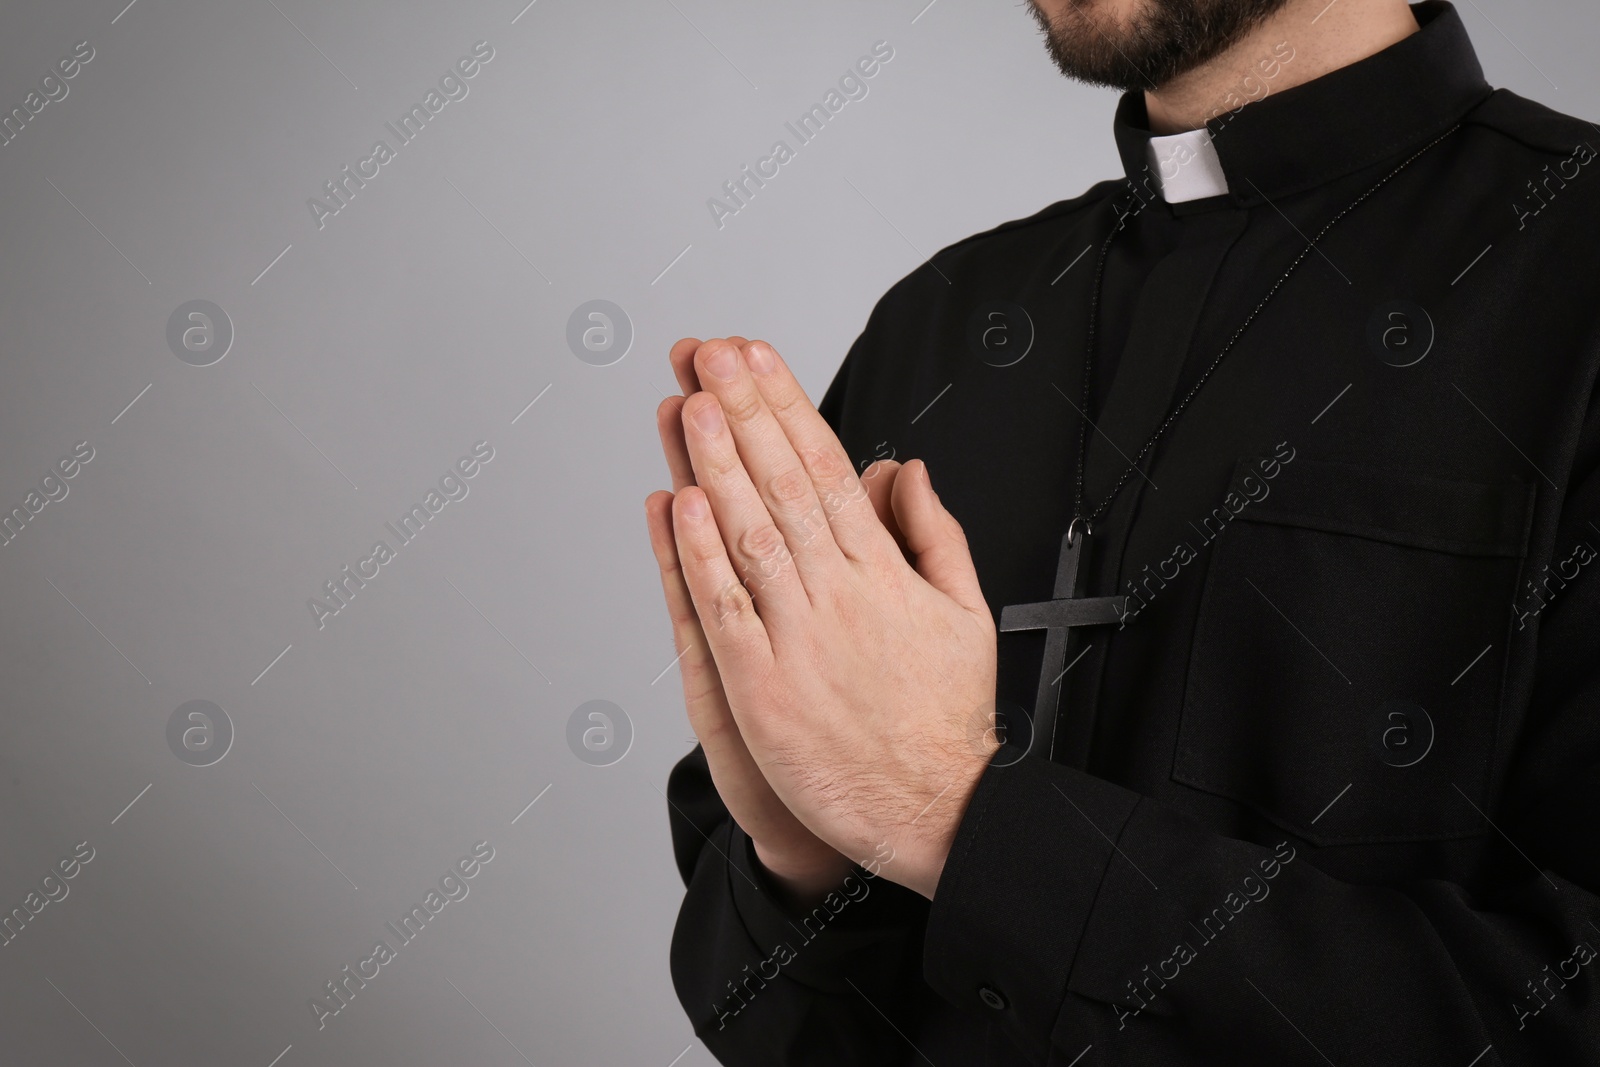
(1186, 166)
(1348, 119)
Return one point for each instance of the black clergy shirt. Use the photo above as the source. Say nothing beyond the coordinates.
(1330, 793)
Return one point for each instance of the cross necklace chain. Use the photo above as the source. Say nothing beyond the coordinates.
(1069, 609)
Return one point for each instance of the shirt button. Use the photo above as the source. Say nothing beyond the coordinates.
(991, 998)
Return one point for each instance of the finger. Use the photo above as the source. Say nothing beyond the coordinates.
(735, 633)
(704, 697)
(682, 358)
(936, 539)
(760, 554)
(669, 424)
(879, 481)
(855, 525)
(734, 771)
(770, 461)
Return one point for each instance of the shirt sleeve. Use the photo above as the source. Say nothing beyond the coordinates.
(1095, 916)
(764, 985)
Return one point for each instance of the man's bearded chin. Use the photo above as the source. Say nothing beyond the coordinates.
(1162, 40)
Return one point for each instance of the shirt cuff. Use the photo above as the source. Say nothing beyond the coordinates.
(1017, 890)
(860, 926)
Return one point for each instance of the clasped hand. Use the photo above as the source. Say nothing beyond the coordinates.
(837, 655)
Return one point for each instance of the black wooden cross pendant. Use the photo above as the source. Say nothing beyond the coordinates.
(1058, 618)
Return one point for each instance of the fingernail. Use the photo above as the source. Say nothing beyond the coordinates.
(694, 505)
(722, 362)
(709, 418)
(759, 356)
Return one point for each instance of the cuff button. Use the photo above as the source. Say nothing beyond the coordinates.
(991, 998)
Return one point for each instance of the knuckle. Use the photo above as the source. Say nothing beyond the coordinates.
(782, 400)
(827, 464)
(741, 405)
(792, 487)
(706, 553)
(763, 546)
(731, 604)
(721, 466)
(836, 482)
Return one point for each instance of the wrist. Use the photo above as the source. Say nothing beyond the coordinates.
(919, 859)
(801, 881)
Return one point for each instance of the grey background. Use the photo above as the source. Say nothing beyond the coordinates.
(371, 356)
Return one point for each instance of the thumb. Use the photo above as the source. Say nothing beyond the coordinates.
(878, 480)
(935, 538)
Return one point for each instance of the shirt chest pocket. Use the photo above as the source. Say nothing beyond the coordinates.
(1348, 659)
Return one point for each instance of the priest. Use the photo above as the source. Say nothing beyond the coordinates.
(1172, 638)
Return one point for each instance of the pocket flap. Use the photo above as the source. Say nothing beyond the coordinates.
(1398, 507)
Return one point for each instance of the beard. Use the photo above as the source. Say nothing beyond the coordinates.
(1162, 40)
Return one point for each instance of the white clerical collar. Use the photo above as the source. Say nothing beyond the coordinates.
(1186, 166)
